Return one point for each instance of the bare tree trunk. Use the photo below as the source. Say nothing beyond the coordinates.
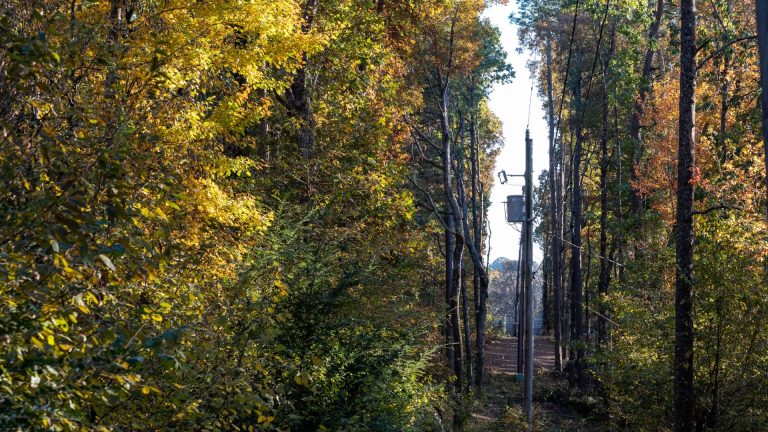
(450, 246)
(458, 262)
(481, 290)
(605, 266)
(546, 307)
(762, 42)
(116, 21)
(555, 215)
(454, 254)
(683, 362)
(299, 101)
(577, 283)
(459, 166)
(467, 334)
(635, 126)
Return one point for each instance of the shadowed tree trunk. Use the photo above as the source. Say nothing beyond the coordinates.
(555, 213)
(577, 282)
(480, 286)
(635, 127)
(762, 42)
(455, 252)
(299, 103)
(604, 278)
(683, 362)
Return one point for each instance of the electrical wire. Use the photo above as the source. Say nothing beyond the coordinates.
(530, 100)
(590, 253)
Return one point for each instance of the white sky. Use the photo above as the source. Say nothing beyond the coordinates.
(510, 103)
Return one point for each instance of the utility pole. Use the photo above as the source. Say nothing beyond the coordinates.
(528, 380)
(520, 210)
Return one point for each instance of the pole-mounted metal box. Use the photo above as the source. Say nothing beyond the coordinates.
(515, 209)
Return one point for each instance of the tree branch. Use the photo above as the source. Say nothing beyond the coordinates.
(718, 207)
(701, 64)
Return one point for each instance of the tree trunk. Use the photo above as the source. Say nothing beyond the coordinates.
(605, 266)
(116, 20)
(577, 283)
(683, 363)
(555, 216)
(635, 127)
(762, 42)
(299, 99)
(481, 290)
(545, 297)
(462, 201)
(454, 246)
(450, 246)
(458, 261)
(467, 334)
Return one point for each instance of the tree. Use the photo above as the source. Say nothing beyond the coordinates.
(684, 235)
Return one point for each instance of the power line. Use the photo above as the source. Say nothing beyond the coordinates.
(594, 65)
(530, 99)
(590, 253)
(567, 71)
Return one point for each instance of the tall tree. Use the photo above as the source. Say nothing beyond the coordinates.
(761, 11)
(684, 235)
(605, 263)
(636, 123)
(555, 214)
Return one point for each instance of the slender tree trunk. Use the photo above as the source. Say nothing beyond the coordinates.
(555, 215)
(587, 295)
(714, 408)
(481, 290)
(299, 101)
(467, 333)
(762, 42)
(683, 363)
(577, 283)
(458, 262)
(462, 201)
(450, 246)
(605, 265)
(454, 245)
(116, 22)
(545, 297)
(635, 127)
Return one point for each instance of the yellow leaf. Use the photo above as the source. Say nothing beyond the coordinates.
(36, 342)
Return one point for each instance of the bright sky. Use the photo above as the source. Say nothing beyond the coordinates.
(510, 103)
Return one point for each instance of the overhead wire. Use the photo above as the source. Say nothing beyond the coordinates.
(530, 100)
(590, 253)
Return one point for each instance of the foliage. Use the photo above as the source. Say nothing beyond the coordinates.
(170, 259)
(633, 369)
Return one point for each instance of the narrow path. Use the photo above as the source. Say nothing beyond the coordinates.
(557, 407)
(502, 388)
(501, 354)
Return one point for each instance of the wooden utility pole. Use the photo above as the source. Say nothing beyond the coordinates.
(520, 303)
(761, 8)
(528, 279)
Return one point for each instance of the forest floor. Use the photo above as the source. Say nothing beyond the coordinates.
(556, 406)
